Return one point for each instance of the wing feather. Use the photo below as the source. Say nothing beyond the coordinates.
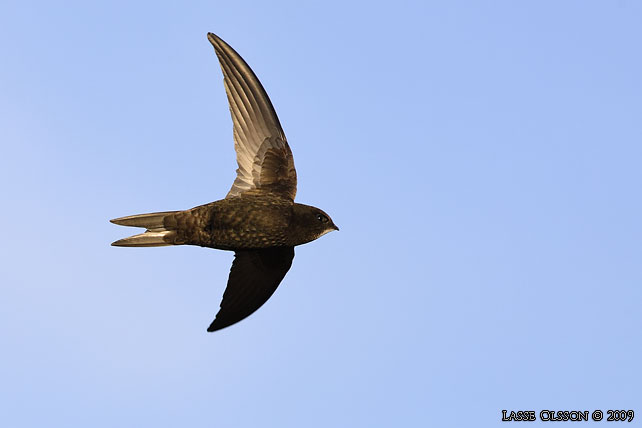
(264, 158)
(254, 277)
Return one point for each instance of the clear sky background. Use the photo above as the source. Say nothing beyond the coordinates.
(482, 159)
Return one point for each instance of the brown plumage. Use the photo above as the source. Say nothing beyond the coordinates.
(258, 219)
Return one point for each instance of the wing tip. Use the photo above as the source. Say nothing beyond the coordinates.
(214, 40)
(214, 327)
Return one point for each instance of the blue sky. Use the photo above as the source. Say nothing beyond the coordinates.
(482, 160)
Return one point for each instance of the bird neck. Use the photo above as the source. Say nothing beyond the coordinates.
(300, 230)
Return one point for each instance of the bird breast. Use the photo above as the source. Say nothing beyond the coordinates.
(247, 223)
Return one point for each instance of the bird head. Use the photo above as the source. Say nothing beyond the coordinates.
(311, 223)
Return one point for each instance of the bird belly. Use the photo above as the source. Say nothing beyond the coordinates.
(246, 223)
(234, 224)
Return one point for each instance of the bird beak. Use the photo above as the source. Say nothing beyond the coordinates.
(335, 227)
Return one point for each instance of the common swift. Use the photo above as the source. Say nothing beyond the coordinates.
(258, 219)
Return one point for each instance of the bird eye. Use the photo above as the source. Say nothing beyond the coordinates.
(322, 218)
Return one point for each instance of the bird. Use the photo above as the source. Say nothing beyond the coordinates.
(258, 218)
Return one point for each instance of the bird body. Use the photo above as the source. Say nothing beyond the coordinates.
(248, 222)
(258, 219)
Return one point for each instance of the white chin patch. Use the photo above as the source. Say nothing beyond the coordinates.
(324, 232)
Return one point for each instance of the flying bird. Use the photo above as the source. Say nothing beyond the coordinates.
(258, 219)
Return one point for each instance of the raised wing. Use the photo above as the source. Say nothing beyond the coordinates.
(262, 152)
(254, 277)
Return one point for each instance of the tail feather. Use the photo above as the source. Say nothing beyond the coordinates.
(155, 236)
(147, 239)
(149, 221)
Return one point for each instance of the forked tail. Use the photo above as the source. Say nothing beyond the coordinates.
(156, 234)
